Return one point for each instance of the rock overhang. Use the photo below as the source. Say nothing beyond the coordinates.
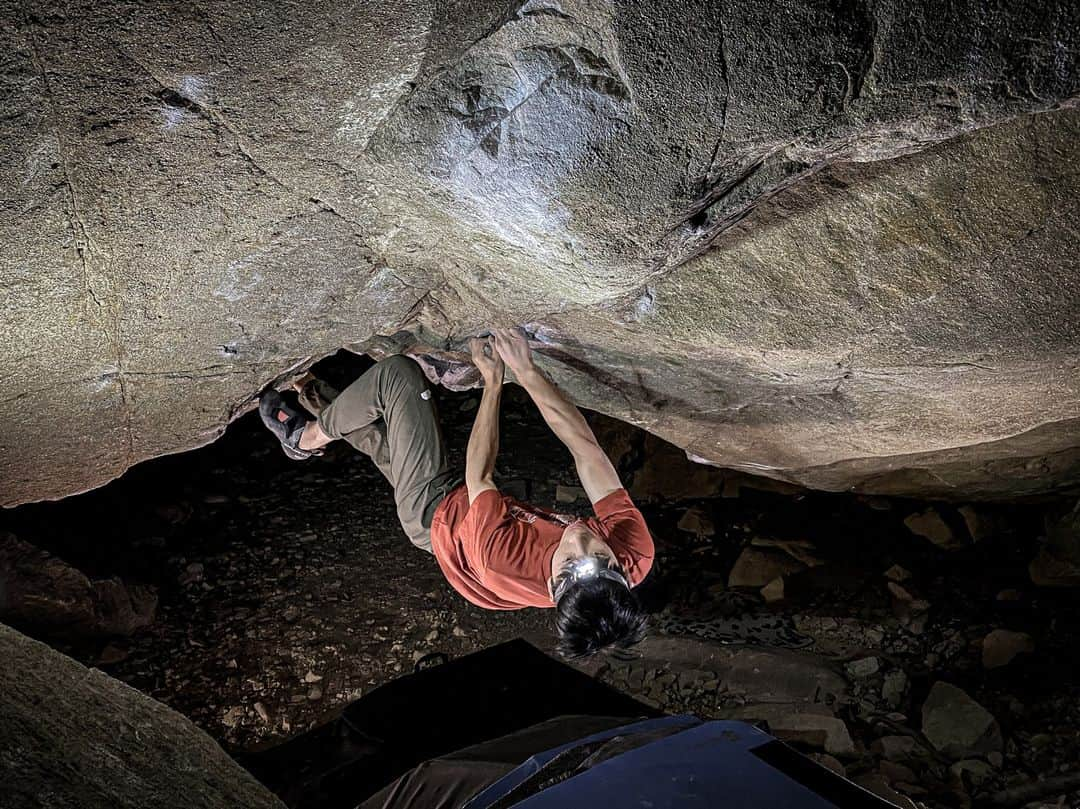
(673, 195)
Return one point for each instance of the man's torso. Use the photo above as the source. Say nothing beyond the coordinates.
(497, 553)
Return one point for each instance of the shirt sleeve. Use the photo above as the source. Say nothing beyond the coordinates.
(628, 535)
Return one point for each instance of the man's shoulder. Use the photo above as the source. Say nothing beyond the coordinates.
(615, 503)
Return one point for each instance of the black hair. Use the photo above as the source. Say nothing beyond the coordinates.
(597, 614)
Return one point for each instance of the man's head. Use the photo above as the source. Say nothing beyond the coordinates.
(595, 608)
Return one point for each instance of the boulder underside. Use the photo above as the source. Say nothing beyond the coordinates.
(834, 246)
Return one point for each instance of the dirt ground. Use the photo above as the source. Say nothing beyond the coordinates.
(286, 589)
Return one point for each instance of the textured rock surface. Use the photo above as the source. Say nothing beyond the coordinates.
(956, 724)
(756, 568)
(200, 198)
(1058, 562)
(1000, 647)
(40, 591)
(818, 728)
(74, 737)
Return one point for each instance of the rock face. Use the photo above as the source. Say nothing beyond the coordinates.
(1058, 562)
(675, 197)
(74, 737)
(40, 591)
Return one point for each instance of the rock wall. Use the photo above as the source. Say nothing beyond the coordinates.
(42, 593)
(686, 203)
(74, 737)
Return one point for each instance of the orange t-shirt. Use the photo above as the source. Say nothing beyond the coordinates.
(497, 553)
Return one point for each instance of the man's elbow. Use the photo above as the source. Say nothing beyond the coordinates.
(586, 448)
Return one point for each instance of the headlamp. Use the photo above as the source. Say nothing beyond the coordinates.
(587, 567)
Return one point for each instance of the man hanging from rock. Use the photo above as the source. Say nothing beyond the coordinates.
(498, 553)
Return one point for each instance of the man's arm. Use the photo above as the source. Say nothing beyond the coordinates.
(484, 438)
(594, 468)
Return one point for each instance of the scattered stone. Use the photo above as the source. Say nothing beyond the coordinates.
(957, 725)
(232, 717)
(1040, 741)
(979, 526)
(113, 653)
(799, 550)
(910, 789)
(930, 525)
(312, 677)
(432, 636)
(315, 693)
(971, 771)
(894, 748)
(717, 590)
(569, 494)
(756, 568)
(1009, 595)
(697, 522)
(877, 784)
(894, 772)
(900, 593)
(260, 709)
(828, 762)
(915, 624)
(175, 513)
(897, 573)
(819, 731)
(907, 608)
(291, 614)
(192, 574)
(458, 632)
(518, 488)
(1058, 562)
(1001, 646)
(894, 687)
(792, 723)
(863, 668)
(1051, 569)
(773, 591)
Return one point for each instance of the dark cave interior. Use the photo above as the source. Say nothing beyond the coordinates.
(281, 590)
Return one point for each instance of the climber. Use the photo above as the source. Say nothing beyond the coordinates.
(497, 552)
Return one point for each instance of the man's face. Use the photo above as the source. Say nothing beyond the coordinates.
(577, 542)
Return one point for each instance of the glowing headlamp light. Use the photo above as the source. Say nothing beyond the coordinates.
(587, 567)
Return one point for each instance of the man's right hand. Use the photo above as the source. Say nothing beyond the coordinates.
(489, 363)
(514, 350)
(594, 467)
